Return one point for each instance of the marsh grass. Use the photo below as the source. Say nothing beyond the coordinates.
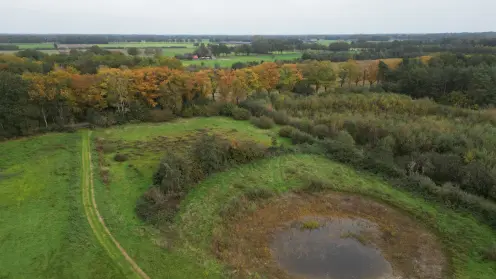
(310, 225)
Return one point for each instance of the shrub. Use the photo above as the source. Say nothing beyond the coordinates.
(157, 115)
(175, 174)
(304, 125)
(299, 137)
(120, 157)
(108, 148)
(381, 160)
(490, 253)
(344, 152)
(345, 138)
(419, 183)
(477, 179)
(321, 131)
(263, 122)
(227, 109)
(150, 204)
(211, 153)
(444, 167)
(286, 131)
(188, 112)
(246, 152)
(241, 114)
(213, 109)
(280, 117)
(256, 107)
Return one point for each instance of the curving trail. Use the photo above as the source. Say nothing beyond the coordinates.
(97, 224)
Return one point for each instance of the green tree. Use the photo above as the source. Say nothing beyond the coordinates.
(14, 105)
(133, 51)
(318, 73)
(202, 51)
(260, 45)
(353, 72)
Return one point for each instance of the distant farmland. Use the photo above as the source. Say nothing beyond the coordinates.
(226, 61)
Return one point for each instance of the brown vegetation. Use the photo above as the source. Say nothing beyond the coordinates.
(408, 246)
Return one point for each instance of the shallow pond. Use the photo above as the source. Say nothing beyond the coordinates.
(335, 249)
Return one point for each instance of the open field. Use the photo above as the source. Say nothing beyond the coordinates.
(227, 61)
(44, 231)
(327, 42)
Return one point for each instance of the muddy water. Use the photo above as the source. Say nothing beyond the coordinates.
(338, 249)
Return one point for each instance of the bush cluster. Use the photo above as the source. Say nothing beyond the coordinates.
(262, 122)
(397, 137)
(178, 172)
(241, 114)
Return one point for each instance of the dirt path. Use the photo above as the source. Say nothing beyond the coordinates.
(97, 224)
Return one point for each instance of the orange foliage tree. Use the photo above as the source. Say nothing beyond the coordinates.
(269, 75)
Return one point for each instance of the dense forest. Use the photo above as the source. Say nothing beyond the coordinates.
(46, 92)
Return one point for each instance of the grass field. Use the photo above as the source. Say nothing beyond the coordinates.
(129, 180)
(44, 232)
(227, 61)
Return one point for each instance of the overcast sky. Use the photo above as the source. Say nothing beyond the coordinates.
(246, 17)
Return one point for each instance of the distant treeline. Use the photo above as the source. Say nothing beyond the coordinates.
(341, 51)
(9, 47)
(487, 38)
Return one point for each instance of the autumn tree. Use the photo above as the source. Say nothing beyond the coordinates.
(290, 76)
(147, 82)
(352, 70)
(52, 92)
(268, 74)
(240, 86)
(371, 72)
(86, 93)
(115, 86)
(170, 62)
(225, 81)
(318, 73)
(213, 75)
(200, 84)
(252, 79)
